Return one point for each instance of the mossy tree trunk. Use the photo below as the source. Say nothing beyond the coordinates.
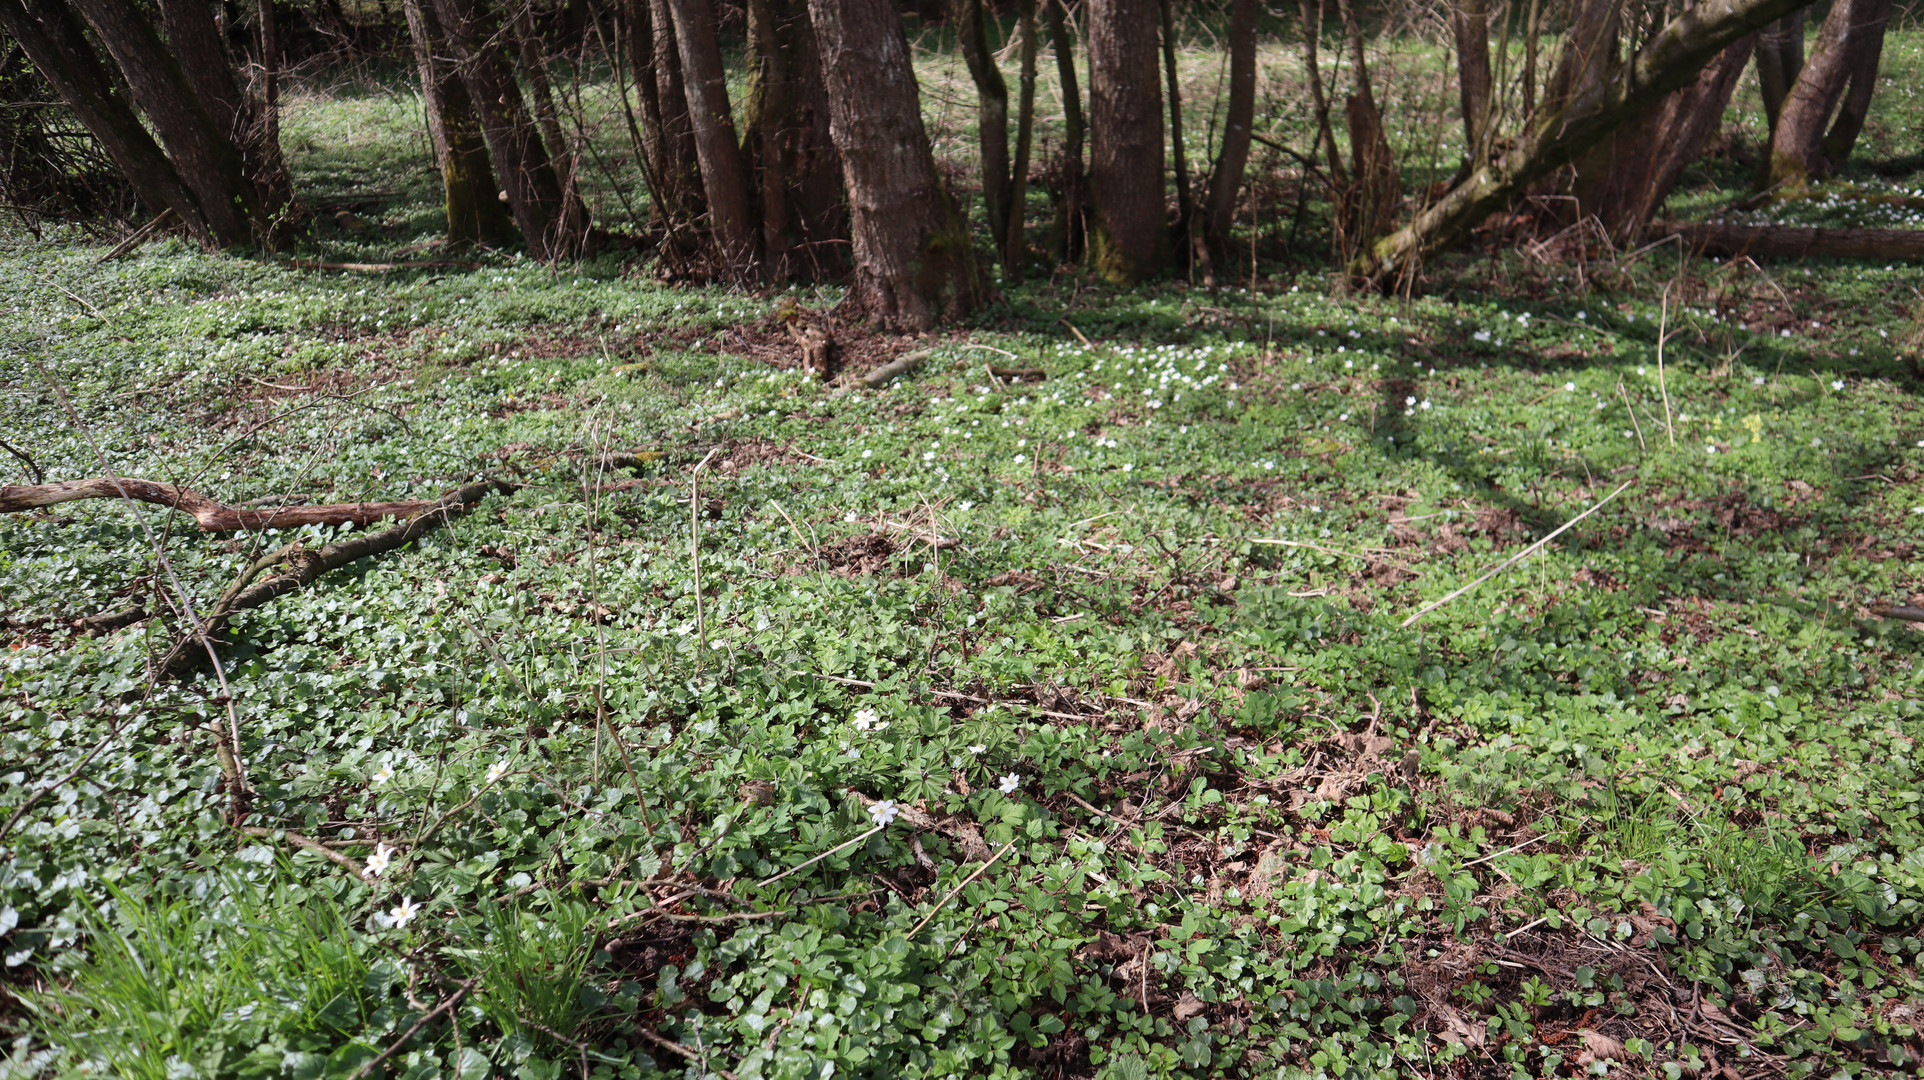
(1852, 33)
(1129, 237)
(474, 212)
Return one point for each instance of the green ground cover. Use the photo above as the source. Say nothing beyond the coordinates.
(1179, 788)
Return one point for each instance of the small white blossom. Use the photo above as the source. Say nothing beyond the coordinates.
(1010, 783)
(865, 720)
(849, 517)
(497, 770)
(1569, 386)
(403, 913)
(884, 811)
(377, 862)
(978, 748)
(1837, 384)
(382, 775)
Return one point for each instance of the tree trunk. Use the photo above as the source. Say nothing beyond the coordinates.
(673, 168)
(1853, 29)
(1178, 155)
(767, 104)
(1626, 176)
(474, 213)
(913, 259)
(1857, 100)
(1670, 60)
(992, 114)
(1784, 241)
(196, 43)
(207, 160)
(1376, 185)
(1130, 237)
(1780, 59)
(58, 47)
(791, 144)
(1012, 237)
(1233, 158)
(534, 71)
(1069, 227)
(724, 180)
(1470, 23)
(526, 172)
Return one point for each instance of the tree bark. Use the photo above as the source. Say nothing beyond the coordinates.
(474, 212)
(1784, 241)
(1853, 29)
(1226, 178)
(1626, 176)
(1069, 227)
(913, 260)
(992, 114)
(723, 178)
(799, 175)
(206, 158)
(1012, 237)
(1780, 59)
(526, 172)
(1376, 185)
(196, 43)
(1670, 60)
(47, 31)
(1130, 238)
(1857, 100)
(1470, 24)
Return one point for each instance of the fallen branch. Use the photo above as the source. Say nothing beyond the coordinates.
(109, 621)
(33, 471)
(944, 902)
(1901, 612)
(677, 1048)
(139, 235)
(305, 566)
(899, 366)
(394, 1047)
(1787, 242)
(310, 844)
(1519, 556)
(211, 516)
(384, 268)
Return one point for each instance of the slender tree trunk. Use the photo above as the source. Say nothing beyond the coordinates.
(1178, 153)
(53, 39)
(992, 114)
(1671, 59)
(1013, 233)
(1338, 175)
(913, 260)
(534, 71)
(1626, 176)
(812, 170)
(1470, 22)
(1797, 141)
(526, 172)
(1130, 238)
(1780, 59)
(723, 178)
(206, 158)
(1069, 226)
(1226, 178)
(767, 104)
(474, 213)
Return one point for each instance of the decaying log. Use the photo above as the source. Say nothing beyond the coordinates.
(303, 566)
(1789, 242)
(211, 516)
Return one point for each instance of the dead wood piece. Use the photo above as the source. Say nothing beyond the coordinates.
(305, 566)
(345, 862)
(109, 621)
(211, 516)
(1788, 242)
(899, 366)
(817, 348)
(384, 268)
(1024, 374)
(138, 236)
(631, 460)
(1902, 612)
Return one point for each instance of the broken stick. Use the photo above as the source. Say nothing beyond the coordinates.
(211, 516)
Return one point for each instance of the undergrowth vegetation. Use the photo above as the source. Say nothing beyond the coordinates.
(1059, 709)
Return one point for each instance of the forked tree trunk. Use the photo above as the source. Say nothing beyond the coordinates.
(991, 113)
(1376, 185)
(1470, 24)
(475, 36)
(1129, 238)
(1669, 61)
(1780, 59)
(1226, 178)
(724, 180)
(913, 259)
(1857, 100)
(1853, 30)
(674, 174)
(1070, 226)
(53, 39)
(1626, 176)
(790, 145)
(207, 159)
(474, 213)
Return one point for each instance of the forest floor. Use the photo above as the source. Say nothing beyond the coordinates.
(1145, 611)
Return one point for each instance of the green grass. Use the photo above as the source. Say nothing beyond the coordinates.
(1657, 783)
